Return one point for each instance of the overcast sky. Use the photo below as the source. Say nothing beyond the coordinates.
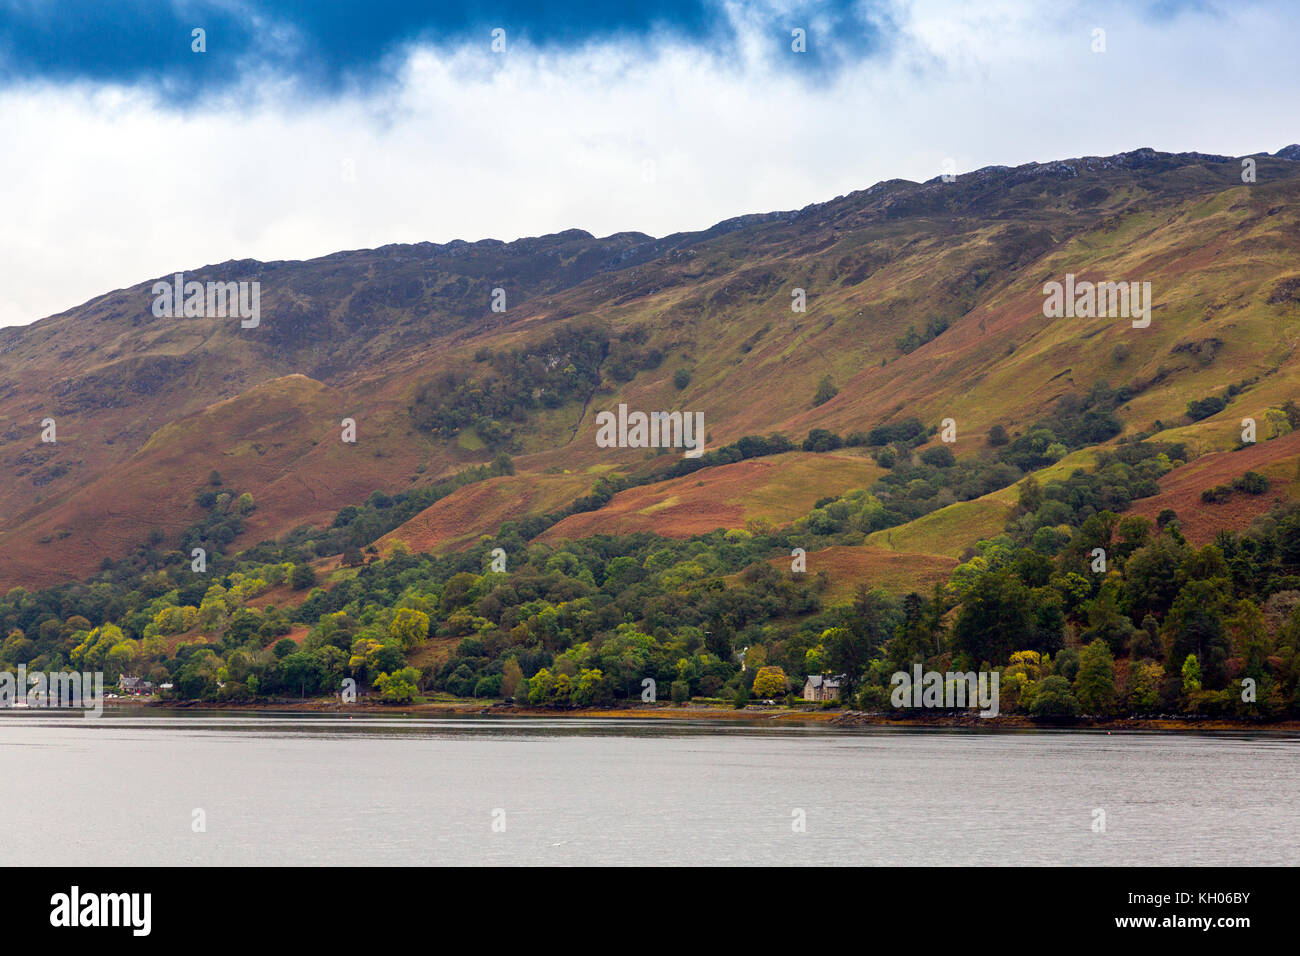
(309, 127)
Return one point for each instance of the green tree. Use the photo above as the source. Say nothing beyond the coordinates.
(1094, 686)
(995, 618)
(1249, 639)
(847, 652)
(1031, 495)
(302, 577)
(1145, 642)
(1151, 577)
(1196, 621)
(826, 390)
(489, 685)
(304, 672)
(1054, 699)
(1067, 663)
(1108, 624)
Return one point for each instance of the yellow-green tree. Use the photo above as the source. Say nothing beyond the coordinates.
(96, 645)
(399, 687)
(1191, 675)
(541, 686)
(1144, 679)
(213, 608)
(120, 657)
(409, 626)
(590, 688)
(176, 620)
(770, 682)
(512, 676)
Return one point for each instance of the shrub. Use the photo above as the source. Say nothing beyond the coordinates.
(302, 577)
(819, 440)
(905, 430)
(1216, 495)
(1054, 699)
(874, 699)
(939, 457)
(1252, 482)
(1198, 409)
(488, 686)
(826, 390)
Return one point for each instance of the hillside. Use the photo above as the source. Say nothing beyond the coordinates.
(924, 300)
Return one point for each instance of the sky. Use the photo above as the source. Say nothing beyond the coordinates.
(305, 127)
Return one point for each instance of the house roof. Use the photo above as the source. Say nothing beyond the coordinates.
(817, 680)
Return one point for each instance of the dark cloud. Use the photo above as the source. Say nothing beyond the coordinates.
(326, 46)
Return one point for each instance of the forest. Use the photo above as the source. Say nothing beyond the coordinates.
(1081, 608)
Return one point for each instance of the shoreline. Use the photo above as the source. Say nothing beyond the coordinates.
(833, 718)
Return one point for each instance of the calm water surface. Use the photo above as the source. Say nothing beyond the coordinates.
(281, 789)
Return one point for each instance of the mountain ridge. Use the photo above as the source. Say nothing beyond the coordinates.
(451, 248)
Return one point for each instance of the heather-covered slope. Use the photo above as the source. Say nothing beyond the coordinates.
(923, 300)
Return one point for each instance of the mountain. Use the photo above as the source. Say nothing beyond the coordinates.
(923, 300)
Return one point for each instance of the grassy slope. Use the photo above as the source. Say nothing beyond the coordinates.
(146, 408)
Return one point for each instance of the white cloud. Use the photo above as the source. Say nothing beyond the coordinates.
(102, 188)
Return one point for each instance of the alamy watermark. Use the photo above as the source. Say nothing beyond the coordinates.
(176, 298)
(129, 910)
(946, 691)
(653, 430)
(54, 690)
(1098, 300)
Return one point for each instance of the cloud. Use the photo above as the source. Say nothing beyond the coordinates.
(106, 182)
(324, 49)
